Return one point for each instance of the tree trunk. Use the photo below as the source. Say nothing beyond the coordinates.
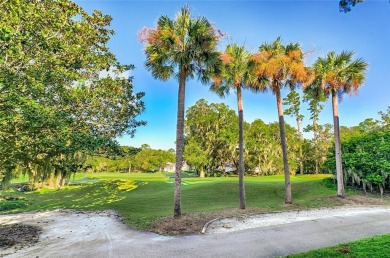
(288, 197)
(339, 170)
(241, 167)
(58, 180)
(179, 145)
(202, 173)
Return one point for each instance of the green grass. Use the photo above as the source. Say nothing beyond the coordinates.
(143, 197)
(377, 246)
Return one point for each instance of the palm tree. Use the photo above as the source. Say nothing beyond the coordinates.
(281, 66)
(236, 73)
(338, 74)
(182, 47)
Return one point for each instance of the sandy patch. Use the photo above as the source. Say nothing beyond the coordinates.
(65, 227)
(225, 225)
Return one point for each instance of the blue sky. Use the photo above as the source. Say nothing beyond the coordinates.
(315, 25)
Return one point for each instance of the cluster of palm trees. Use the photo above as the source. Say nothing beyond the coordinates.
(186, 47)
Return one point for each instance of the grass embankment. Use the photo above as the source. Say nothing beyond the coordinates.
(142, 198)
(377, 246)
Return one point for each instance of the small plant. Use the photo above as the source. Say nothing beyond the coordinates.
(329, 183)
(10, 203)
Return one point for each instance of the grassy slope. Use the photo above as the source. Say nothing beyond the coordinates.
(142, 198)
(377, 246)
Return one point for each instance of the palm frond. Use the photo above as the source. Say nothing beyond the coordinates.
(339, 73)
(182, 43)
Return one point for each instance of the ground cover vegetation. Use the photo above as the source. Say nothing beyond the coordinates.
(376, 246)
(64, 100)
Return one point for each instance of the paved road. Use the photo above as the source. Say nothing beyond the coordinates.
(105, 237)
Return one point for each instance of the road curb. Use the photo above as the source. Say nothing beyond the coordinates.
(204, 229)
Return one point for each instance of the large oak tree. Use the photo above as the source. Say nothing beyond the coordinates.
(55, 104)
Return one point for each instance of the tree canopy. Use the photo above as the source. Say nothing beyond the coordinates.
(346, 5)
(55, 102)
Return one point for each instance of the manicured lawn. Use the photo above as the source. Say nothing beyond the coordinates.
(143, 197)
(377, 246)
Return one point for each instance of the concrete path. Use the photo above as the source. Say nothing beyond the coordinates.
(69, 234)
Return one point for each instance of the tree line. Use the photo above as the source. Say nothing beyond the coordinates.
(211, 142)
(186, 47)
(131, 159)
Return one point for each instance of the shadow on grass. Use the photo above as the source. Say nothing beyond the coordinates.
(84, 196)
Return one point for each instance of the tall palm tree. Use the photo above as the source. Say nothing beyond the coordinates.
(339, 74)
(281, 66)
(183, 47)
(236, 72)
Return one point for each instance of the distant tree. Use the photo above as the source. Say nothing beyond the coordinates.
(293, 100)
(184, 48)
(339, 74)
(263, 149)
(236, 73)
(145, 146)
(385, 116)
(130, 150)
(195, 156)
(369, 124)
(324, 142)
(211, 132)
(314, 96)
(149, 159)
(281, 66)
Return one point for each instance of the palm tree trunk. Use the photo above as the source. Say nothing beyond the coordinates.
(339, 170)
(179, 145)
(288, 197)
(241, 167)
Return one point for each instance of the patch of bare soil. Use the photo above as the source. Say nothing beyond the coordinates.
(359, 200)
(18, 236)
(193, 223)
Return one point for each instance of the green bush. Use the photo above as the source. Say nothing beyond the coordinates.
(366, 160)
